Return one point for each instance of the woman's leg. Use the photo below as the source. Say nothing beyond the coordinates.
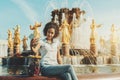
(49, 70)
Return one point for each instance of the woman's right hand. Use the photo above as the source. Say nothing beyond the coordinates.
(34, 44)
(34, 41)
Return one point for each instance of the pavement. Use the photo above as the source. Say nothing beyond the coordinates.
(113, 76)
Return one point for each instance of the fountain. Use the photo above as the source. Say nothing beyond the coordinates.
(85, 60)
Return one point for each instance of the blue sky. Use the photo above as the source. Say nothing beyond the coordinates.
(26, 12)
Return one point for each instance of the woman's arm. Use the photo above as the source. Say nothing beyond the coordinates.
(59, 59)
(35, 48)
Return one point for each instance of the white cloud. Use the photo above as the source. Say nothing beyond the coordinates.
(29, 12)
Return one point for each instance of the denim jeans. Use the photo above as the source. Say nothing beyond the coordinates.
(66, 72)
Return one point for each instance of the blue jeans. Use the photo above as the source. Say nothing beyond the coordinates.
(66, 72)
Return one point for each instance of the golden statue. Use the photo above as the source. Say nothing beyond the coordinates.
(113, 40)
(10, 42)
(65, 32)
(25, 43)
(93, 27)
(17, 35)
(113, 34)
(35, 28)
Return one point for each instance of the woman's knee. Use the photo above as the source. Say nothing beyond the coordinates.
(69, 67)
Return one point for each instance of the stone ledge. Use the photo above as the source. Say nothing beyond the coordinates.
(27, 78)
(115, 76)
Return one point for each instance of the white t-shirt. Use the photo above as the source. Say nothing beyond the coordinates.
(49, 52)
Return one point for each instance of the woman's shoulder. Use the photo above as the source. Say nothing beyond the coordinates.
(57, 41)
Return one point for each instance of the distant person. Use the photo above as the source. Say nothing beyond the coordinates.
(25, 43)
(51, 62)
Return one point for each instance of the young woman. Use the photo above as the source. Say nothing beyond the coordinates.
(51, 62)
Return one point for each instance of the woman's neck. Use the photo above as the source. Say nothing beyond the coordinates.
(49, 40)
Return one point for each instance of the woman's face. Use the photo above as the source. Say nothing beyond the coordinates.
(50, 33)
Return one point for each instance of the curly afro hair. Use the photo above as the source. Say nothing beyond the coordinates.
(51, 25)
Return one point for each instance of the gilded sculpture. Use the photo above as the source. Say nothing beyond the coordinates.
(36, 32)
(65, 32)
(10, 42)
(17, 35)
(93, 27)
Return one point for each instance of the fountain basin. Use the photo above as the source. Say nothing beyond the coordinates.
(97, 69)
(18, 60)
